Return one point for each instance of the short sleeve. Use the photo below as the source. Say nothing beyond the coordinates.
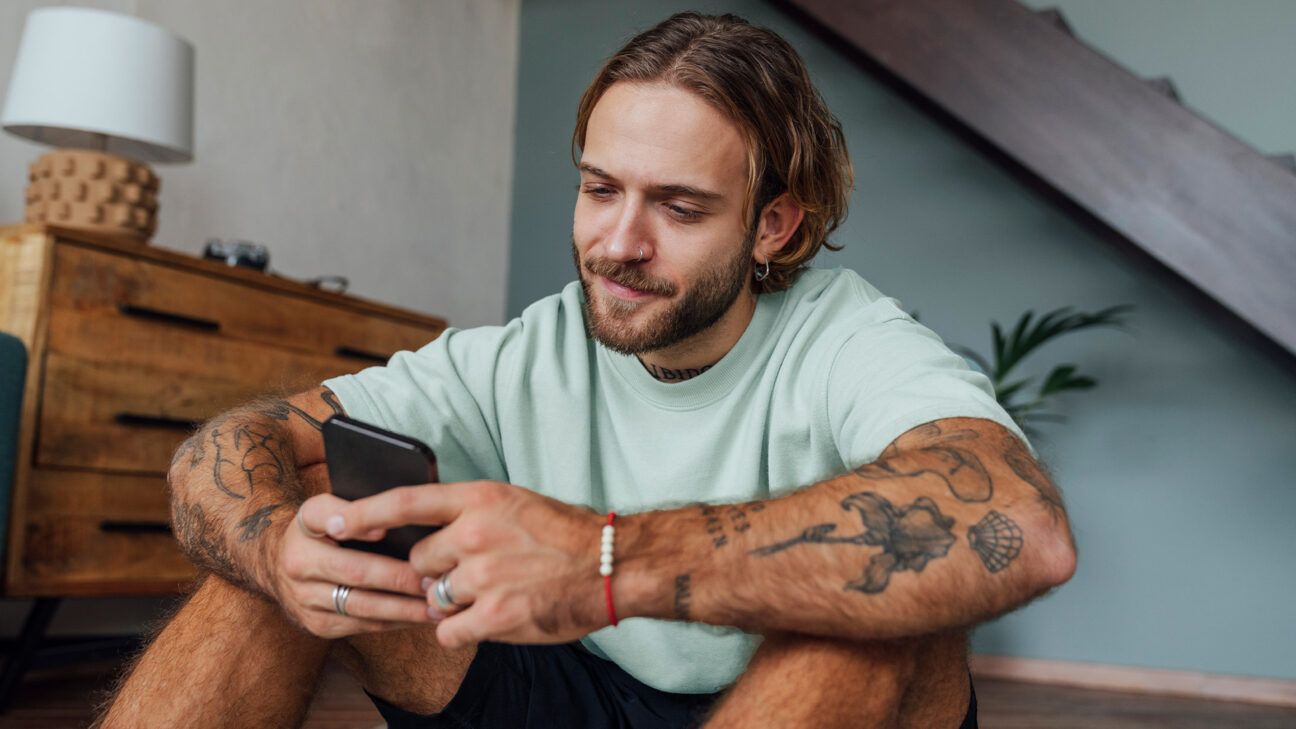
(445, 394)
(894, 375)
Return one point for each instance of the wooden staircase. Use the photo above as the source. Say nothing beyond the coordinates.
(1123, 150)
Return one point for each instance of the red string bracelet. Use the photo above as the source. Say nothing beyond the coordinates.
(605, 565)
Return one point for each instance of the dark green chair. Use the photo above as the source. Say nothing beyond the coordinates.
(30, 649)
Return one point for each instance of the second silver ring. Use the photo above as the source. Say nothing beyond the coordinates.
(445, 599)
(340, 595)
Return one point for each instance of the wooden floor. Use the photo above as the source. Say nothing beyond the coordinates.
(49, 700)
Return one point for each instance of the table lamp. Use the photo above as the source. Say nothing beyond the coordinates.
(113, 93)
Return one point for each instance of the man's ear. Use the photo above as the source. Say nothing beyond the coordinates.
(778, 221)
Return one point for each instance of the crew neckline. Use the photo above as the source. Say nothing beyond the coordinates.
(711, 385)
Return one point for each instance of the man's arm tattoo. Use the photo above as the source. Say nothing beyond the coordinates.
(282, 409)
(963, 473)
(683, 594)
(720, 520)
(910, 537)
(1029, 471)
(257, 452)
(996, 539)
(194, 533)
(251, 526)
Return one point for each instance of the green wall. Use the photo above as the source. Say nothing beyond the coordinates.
(1177, 468)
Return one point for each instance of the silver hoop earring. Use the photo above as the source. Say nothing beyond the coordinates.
(762, 275)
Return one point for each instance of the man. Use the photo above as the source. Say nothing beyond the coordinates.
(858, 497)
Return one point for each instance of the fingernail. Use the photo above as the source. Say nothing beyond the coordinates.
(336, 524)
(426, 584)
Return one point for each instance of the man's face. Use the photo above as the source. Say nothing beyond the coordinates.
(663, 175)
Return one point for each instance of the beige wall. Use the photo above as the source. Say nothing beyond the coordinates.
(369, 139)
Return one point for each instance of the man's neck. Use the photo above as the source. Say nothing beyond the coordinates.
(697, 354)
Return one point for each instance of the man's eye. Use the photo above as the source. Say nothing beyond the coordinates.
(599, 193)
(683, 214)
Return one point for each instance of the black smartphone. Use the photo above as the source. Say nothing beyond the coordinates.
(364, 460)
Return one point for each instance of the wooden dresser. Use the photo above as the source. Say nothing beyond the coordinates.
(130, 347)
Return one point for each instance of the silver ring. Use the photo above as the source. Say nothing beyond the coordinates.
(445, 600)
(340, 594)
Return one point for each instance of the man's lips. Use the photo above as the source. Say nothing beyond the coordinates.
(623, 292)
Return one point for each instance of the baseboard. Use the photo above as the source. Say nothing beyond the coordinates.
(1159, 681)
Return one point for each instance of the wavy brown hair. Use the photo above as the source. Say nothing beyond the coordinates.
(756, 79)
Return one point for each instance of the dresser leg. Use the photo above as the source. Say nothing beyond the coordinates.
(29, 641)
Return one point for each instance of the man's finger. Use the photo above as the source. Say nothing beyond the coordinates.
(367, 605)
(313, 514)
(429, 504)
(461, 629)
(341, 566)
(436, 553)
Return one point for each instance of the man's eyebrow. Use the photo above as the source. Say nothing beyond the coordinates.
(689, 191)
(671, 189)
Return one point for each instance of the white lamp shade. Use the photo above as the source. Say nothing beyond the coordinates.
(101, 80)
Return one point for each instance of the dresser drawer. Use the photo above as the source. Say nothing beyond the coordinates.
(95, 533)
(88, 280)
(128, 410)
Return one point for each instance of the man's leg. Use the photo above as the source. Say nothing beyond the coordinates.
(227, 658)
(230, 658)
(799, 681)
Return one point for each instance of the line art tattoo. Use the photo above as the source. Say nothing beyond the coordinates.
(281, 409)
(910, 537)
(963, 473)
(996, 539)
(258, 454)
(1029, 471)
(251, 526)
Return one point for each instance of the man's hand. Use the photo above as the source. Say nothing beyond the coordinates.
(307, 566)
(522, 568)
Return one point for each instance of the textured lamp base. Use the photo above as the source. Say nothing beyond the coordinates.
(94, 191)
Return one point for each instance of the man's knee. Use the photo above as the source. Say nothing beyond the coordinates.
(406, 668)
(802, 680)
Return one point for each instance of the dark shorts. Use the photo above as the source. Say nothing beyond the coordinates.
(540, 687)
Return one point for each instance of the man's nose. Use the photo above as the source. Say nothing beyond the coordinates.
(630, 240)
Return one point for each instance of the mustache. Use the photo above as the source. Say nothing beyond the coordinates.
(629, 276)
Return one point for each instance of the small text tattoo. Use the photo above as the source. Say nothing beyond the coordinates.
(251, 526)
(721, 519)
(910, 537)
(961, 471)
(666, 374)
(996, 539)
(683, 594)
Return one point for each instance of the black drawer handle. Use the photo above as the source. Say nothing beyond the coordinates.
(135, 527)
(155, 421)
(145, 312)
(345, 351)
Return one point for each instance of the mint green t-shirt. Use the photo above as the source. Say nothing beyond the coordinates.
(827, 374)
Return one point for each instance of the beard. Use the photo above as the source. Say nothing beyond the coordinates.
(608, 320)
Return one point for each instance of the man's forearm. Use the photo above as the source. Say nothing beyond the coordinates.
(230, 482)
(958, 528)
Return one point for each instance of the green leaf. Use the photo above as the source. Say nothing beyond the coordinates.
(976, 359)
(1064, 377)
(998, 338)
(1004, 394)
